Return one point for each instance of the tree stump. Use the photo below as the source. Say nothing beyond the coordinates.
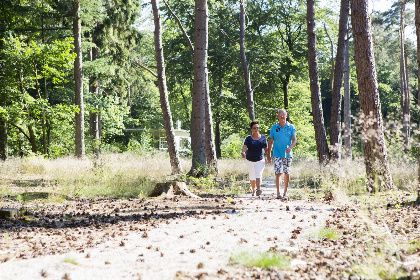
(172, 188)
(8, 213)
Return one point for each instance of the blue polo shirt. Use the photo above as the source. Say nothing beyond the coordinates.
(282, 139)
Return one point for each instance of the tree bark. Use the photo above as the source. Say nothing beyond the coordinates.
(285, 86)
(317, 114)
(210, 147)
(218, 140)
(94, 117)
(405, 95)
(78, 82)
(335, 125)
(164, 102)
(347, 104)
(375, 152)
(3, 139)
(332, 57)
(199, 89)
(417, 23)
(245, 65)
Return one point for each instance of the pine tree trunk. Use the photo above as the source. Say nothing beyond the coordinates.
(218, 140)
(318, 118)
(285, 86)
(210, 147)
(3, 120)
(335, 126)
(417, 23)
(78, 81)
(375, 152)
(199, 92)
(245, 65)
(405, 95)
(347, 103)
(94, 117)
(164, 102)
(3, 139)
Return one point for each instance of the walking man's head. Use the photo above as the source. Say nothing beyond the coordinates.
(282, 116)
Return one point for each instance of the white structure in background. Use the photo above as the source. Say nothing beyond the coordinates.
(182, 137)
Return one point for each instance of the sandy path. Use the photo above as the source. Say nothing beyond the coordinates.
(190, 245)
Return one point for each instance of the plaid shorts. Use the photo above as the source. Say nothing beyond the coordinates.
(282, 165)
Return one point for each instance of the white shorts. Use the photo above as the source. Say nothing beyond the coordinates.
(255, 169)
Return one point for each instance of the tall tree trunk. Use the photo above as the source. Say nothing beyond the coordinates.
(38, 93)
(347, 104)
(245, 65)
(318, 118)
(164, 102)
(210, 147)
(332, 57)
(405, 95)
(3, 120)
(217, 140)
(3, 139)
(199, 92)
(285, 86)
(32, 139)
(335, 126)
(94, 117)
(78, 82)
(417, 22)
(376, 158)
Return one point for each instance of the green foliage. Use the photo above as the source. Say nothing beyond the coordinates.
(300, 117)
(141, 145)
(232, 146)
(264, 260)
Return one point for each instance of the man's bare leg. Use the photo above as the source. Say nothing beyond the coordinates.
(278, 178)
(286, 182)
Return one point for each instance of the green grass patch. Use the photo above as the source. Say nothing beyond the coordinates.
(257, 259)
(414, 246)
(70, 260)
(326, 233)
(377, 271)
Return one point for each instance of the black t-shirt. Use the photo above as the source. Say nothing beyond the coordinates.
(256, 148)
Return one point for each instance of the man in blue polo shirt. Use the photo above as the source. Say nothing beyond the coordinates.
(282, 140)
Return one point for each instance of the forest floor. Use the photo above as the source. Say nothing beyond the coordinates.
(188, 238)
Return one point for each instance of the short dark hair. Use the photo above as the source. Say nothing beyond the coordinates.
(251, 124)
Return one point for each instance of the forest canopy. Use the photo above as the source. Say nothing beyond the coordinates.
(37, 84)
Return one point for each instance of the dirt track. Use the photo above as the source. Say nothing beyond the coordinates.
(195, 242)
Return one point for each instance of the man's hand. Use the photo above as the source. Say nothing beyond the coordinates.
(268, 159)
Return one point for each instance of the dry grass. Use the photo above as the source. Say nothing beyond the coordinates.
(134, 175)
